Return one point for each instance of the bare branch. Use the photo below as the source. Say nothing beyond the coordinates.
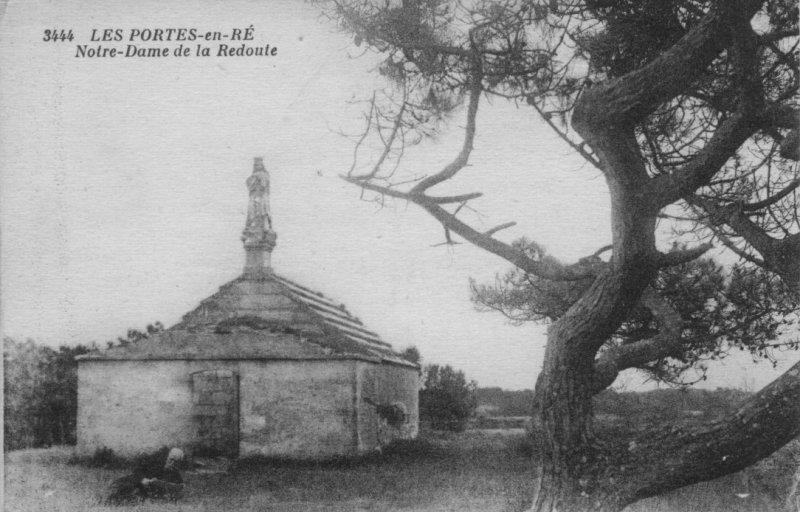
(495, 229)
(361, 139)
(781, 256)
(727, 242)
(454, 199)
(387, 146)
(364, 183)
(545, 268)
(772, 200)
(578, 147)
(603, 249)
(469, 136)
(673, 258)
(447, 239)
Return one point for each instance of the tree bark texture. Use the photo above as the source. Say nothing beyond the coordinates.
(578, 472)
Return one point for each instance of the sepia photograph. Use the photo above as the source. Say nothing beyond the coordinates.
(400, 255)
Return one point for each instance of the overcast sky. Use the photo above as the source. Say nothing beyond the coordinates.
(123, 193)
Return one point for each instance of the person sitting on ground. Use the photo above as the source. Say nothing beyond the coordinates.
(150, 480)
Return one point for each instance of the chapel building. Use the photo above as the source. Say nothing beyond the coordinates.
(265, 366)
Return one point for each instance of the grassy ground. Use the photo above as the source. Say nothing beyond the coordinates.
(473, 471)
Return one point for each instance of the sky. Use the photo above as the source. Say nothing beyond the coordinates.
(122, 194)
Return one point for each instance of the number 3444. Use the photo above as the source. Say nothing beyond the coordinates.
(57, 35)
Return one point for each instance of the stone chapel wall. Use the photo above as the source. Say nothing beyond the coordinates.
(297, 409)
(382, 385)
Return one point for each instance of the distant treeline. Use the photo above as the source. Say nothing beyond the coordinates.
(661, 402)
(40, 386)
(40, 389)
(670, 404)
(501, 402)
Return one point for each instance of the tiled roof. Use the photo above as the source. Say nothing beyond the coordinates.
(334, 315)
(269, 317)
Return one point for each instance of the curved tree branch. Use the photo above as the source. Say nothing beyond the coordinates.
(665, 189)
(781, 256)
(732, 132)
(545, 268)
(670, 259)
(461, 160)
(772, 200)
(768, 420)
(667, 343)
(364, 183)
(627, 100)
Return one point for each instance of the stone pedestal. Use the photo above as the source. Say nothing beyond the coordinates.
(258, 255)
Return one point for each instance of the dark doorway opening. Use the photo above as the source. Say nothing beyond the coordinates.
(215, 413)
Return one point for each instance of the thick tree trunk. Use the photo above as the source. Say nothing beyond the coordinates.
(573, 462)
(579, 472)
(564, 406)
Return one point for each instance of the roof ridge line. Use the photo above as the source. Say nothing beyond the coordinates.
(326, 323)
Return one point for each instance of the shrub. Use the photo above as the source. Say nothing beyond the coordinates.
(411, 354)
(447, 400)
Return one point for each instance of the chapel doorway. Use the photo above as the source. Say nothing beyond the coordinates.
(215, 412)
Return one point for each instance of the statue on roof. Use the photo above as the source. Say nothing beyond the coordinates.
(258, 217)
(258, 236)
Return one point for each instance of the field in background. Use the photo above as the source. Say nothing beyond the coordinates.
(477, 470)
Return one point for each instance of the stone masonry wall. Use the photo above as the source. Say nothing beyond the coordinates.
(386, 385)
(298, 409)
(133, 406)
